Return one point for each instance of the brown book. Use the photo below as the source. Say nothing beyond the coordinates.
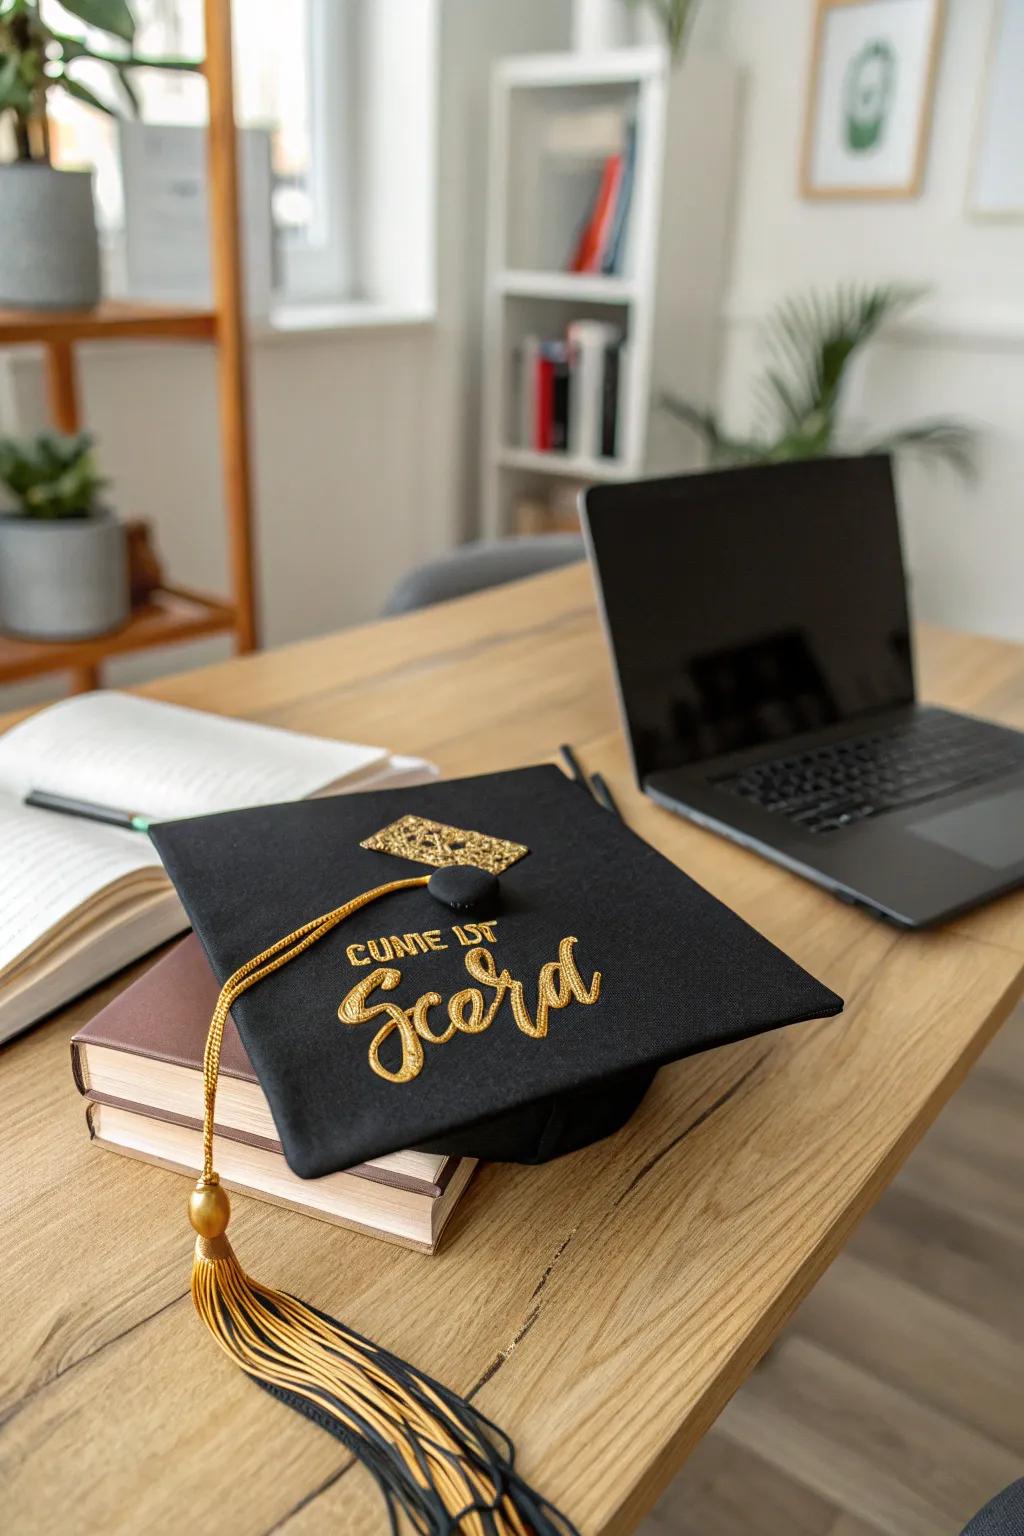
(143, 1053)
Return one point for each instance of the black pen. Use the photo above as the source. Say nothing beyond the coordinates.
(603, 794)
(45, 801)
(571, 761)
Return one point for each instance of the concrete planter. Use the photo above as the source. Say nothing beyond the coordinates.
(49, 250)
(62, 578)
(601, 25)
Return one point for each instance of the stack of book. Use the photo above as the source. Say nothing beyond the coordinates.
(601, 242)
(139, 1065)
(83, 893)
(569, 391)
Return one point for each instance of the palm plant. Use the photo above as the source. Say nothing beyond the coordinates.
(810, 341)
(35, 59)
(675, 17)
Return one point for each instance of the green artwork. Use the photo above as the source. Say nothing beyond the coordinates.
(868, 93)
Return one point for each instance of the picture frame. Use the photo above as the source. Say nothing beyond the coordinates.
(870, 96)
(996, 187)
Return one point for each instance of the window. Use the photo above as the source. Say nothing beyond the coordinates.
(348, 89)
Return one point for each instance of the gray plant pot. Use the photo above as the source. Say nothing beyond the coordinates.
(62, 578)
(49, 250)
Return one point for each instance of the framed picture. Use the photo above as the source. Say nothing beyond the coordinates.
(870, 99)
(997, 180)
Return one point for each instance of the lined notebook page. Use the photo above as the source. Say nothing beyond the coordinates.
(51, 866)
(166, 762)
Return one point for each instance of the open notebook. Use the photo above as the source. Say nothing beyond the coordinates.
(78, 899)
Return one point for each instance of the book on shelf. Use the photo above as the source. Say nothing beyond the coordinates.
(610, 400)
(139, 1064)
(600, 244)
(613, 256)
(593, 346)
(557, 426)
(528, 355)
(79, 899)
(569, 391)
(594, 238)
(543, 400)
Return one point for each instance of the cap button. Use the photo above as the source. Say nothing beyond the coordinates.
(463, 887)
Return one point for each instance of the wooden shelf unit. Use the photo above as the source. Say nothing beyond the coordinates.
(168, 617)
(172, 615)
(107, 321)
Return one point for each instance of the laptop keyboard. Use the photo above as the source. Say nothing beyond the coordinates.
(832, 786)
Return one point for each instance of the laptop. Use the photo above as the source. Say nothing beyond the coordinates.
(757, 619)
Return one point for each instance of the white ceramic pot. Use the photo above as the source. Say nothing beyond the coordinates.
(598, 25)
(62, 578)
(49, 249)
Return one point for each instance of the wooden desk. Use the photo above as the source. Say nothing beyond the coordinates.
(602, 1308)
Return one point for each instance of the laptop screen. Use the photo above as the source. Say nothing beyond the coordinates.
(747, 606)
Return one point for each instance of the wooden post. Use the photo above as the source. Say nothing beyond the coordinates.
(228, 299)
(62, 386)
(66, 414)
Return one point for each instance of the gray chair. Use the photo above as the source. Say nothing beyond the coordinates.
(1002, 1516)
(475, 566)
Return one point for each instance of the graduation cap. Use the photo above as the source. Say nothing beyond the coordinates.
(494, 967)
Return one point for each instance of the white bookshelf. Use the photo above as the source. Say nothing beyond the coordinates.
(667, 298)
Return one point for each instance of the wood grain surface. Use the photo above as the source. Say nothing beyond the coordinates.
(603, 1308)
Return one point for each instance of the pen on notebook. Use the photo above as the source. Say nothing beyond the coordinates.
(45, 801)
(603, 795)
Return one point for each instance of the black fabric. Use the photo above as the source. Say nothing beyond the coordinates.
(1002, 1516)
(679, 971)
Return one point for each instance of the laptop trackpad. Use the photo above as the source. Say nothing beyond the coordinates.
(990, 831)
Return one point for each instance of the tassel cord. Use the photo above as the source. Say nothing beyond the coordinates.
(254, 970)
(403, 1416)
(433, 1454)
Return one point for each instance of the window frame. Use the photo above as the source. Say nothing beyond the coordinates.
(320, 265)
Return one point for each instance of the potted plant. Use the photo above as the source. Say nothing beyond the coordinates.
(63, 563)
(49, 251)
(811, 340)
(671, 18)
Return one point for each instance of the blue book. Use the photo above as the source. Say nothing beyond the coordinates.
(613, 257)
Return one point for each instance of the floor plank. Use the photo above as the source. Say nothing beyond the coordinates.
(893, 1405)
(727, 1489)
(869, 1448)
(945, 1358)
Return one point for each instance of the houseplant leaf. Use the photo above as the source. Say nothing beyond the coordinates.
(943, 438)
(722, 449)
(82, 93)
(113, 16)
(811, 339)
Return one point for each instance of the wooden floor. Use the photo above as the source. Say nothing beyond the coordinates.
(893, 1405)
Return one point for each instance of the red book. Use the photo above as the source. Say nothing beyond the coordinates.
(604, 216)
(587, 256)
(544, 404)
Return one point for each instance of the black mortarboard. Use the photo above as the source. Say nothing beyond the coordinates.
(678, 971)
(492, 966)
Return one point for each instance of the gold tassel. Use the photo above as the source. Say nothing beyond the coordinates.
(432, 1453)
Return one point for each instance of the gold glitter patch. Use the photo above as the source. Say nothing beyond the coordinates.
(431, 842)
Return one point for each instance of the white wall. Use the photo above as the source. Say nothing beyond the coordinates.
(364, 441)
(966, 354)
